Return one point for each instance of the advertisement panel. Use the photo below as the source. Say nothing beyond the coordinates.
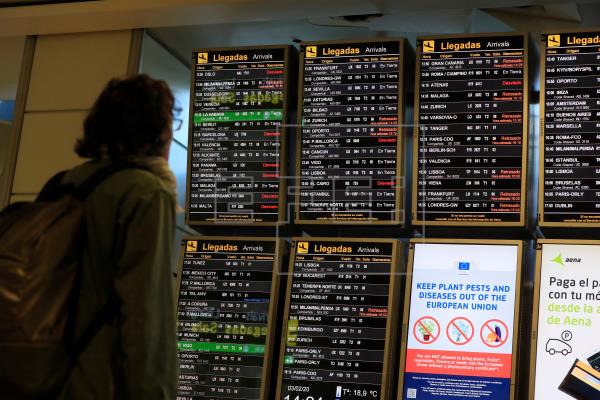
(568, 320)
(461, 329)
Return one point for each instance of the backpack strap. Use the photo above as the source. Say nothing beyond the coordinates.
(54, 188)
(106, 315)
(109, 311)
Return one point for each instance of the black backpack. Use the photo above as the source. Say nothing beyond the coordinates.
(41, 246)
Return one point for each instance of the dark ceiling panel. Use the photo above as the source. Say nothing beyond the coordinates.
(21, 3)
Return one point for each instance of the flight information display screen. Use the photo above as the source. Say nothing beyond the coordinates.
(349, 142)
(471, 131)
(236, 143)
(337, 339)
(570, 170)
(226, 302)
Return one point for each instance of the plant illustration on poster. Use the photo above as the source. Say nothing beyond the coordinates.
(427, 330)
(470, 290)
(568, 317)
(460, 331)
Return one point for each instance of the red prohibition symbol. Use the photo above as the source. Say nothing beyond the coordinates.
(426, 330)
(460, 331)
(494, 333)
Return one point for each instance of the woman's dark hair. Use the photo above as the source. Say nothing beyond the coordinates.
(129, 118)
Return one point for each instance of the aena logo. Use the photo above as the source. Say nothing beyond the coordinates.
(560, 260)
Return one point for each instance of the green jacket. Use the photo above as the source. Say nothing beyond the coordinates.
(130, 221)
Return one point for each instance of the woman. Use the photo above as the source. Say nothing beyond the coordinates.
(130, 220)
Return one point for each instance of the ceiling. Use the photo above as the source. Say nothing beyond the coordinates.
(21, 3)
(398, 15)
(407, 19)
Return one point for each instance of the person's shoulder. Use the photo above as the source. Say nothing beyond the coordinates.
(124, 193)
(138, 179)
(130, 181)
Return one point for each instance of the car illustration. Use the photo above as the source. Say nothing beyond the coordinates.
(554, 346)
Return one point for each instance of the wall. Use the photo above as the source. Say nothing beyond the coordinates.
(11, 53)
(67, 73)
(5, 132)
